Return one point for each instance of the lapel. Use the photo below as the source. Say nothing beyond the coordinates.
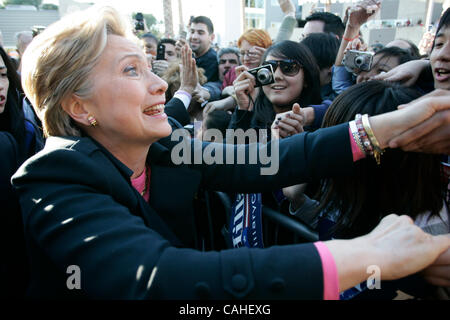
(172, 193)
(137, 205)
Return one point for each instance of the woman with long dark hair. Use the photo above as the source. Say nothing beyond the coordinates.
(12, 117)
(296, 81)
(18, 141)
(403, 182)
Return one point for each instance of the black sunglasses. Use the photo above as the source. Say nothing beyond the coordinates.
(288, 67)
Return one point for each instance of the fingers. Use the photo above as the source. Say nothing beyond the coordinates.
(433, 130)
(296, 109)
(240, 69)
(436, 142)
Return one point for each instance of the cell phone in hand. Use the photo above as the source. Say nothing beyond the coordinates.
(161, 52)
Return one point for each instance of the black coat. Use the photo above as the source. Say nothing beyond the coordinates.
(79, 208)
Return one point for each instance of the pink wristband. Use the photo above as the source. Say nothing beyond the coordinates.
(330, 274)
(356, 151)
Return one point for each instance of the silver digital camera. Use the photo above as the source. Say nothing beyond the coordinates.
(263, 75)
(355, 61)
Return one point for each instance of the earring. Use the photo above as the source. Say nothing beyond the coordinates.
(92, 121)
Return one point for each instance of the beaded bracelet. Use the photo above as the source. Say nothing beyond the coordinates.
(368, 148)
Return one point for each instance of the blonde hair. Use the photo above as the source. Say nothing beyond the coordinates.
(59, 62)
(256, 37)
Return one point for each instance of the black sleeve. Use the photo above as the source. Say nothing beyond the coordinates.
(74, 220)
(256, 168)
(175, 108)
(13, 265)
(241, 119)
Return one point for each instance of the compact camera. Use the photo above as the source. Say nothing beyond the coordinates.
(139, 25)
(263, 75)
(356, 61)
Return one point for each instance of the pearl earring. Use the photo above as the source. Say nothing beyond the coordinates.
(92, 121)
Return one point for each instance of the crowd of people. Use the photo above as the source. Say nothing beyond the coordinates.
(87, 118)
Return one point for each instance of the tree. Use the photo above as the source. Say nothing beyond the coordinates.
(35, 3)
(49, 6)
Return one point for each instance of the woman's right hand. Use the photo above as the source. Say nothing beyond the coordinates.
(244, 88)
(406, 73)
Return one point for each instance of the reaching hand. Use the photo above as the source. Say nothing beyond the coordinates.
(201, 94)
(431, 136)
(227, 104)
(438, 273)
(413, 121)
(406, 73)
(288, 123)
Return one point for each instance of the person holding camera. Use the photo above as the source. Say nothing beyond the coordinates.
(288, 74)
(165, 55)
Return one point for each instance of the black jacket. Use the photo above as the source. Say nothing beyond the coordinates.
(79, 208)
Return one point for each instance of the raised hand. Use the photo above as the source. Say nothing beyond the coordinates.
(414, 121)
(188, 71)
(361, 12)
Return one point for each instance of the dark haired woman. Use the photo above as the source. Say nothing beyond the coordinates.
(403, 182)
(296, 81)
(18, 141)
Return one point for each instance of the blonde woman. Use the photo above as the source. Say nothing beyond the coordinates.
(104, 197)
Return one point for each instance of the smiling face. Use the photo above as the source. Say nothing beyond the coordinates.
(199, 38)
(286, 89)
(128, 99)
(4, 85)
(440, 59)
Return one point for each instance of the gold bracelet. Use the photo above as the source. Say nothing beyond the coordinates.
(377, 151)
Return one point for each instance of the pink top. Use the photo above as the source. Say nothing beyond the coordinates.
(330, 274)
(139, 183)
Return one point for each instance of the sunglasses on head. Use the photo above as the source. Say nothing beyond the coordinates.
(288, 67)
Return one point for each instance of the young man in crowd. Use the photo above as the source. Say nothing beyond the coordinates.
(324, 22)
(170, 56)
(200, 38)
